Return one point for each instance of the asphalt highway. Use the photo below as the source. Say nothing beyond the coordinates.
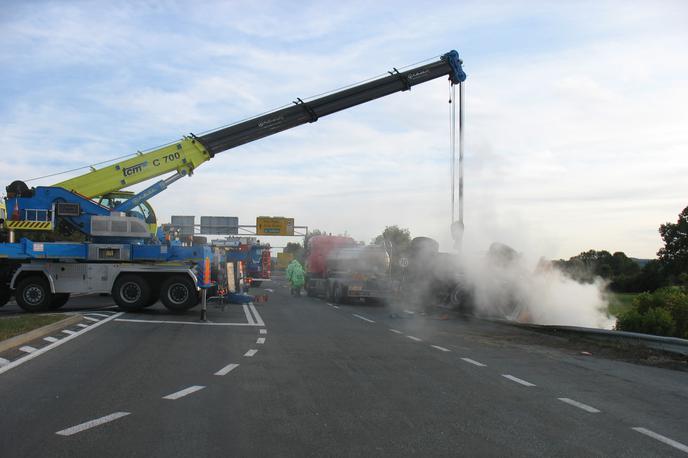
(301, 377)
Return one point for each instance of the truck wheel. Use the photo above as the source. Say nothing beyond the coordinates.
(5, 295)
(33, 294)
(178, 293)
(131, 292)
(59, 299)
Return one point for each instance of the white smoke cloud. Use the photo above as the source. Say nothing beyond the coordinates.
(509, 286)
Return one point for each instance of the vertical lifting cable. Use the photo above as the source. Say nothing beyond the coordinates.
(452, 154)
(460, 154)
(456, 226)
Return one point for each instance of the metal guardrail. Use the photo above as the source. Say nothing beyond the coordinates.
(667, 344)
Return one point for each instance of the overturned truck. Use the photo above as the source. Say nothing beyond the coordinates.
(430, 278)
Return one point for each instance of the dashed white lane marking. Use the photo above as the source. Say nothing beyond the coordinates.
(517, 380)
(263, 331)
(331, 305)
(82, 325)
(67, 331)
(102, 315)
(4, 361)
(474, 362)
(59, 342)
(250, 353)
(184, 392)
(50, 339)
(363, 318)
(440, 348)
(89, 318)
(664, 439)
(396, 331)
(27, 349)
(261, 340)
(415, 338)
(580, 405)
(225, 370)
(336, 306)
(92, 423)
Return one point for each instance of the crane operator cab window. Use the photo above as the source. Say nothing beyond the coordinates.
(143, 210)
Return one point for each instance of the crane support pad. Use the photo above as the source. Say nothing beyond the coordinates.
(29, 225)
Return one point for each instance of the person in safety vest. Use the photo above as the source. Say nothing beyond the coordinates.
(296, 277)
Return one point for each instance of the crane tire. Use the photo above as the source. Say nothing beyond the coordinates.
(131, 292)
(178, 293)
(33, 294)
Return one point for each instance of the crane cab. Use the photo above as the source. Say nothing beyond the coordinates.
(143, 210)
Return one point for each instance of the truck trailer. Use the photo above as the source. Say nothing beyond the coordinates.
(339, 269)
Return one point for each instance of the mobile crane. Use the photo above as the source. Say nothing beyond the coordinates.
(119, 255)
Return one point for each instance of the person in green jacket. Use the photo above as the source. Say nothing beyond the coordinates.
(296, 277)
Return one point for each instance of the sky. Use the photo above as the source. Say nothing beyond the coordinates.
(575, 112)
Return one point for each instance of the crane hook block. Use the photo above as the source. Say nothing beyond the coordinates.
(457, 75)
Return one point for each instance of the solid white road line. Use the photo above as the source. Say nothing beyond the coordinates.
(263, 331)
(336, 306)
(82, 325)
(225, 370)
(40, 351)
(474, 362)
(580, 405)
(195, 323)
(50, 339)
(67, 331)
(517, 380)
(440, 348)
(4, 361)
(395, 331)
(415, 338)
(184, 392)
(102, 315)
(259, 320)
(92, 423)
(261, 340)
(249, 318)
(250, 353)
(89, 318)
(363, 318)
(664, 439)
(27, 349)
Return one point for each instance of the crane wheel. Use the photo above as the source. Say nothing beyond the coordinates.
(131, 292)
(178, 293)
(33, 294)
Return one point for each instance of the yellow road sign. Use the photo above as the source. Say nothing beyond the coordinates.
(274, 225)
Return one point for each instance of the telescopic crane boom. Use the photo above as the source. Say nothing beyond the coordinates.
(184, 156)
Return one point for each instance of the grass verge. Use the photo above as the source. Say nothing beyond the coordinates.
(14, 325)
(620, 302)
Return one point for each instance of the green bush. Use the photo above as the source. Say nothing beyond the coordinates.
(664, 312)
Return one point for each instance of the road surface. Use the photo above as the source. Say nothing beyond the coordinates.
(299, 377)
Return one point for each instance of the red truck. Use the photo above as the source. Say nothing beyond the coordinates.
(340, 269)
